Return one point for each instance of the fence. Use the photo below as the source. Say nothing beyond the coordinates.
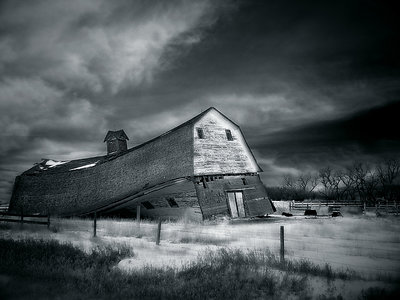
(3, 208)
(371, 255)
(383, 206)
(372, 250)
(25, 219)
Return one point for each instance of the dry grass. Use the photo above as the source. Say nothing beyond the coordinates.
(47, 269)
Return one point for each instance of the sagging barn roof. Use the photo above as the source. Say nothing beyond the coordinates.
(78, 186)
(54, 166)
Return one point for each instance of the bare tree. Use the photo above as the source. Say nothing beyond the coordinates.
(348, 184)
(387, 172)
(330, 181)
(307, 183)
(289, 181)
(365, 180)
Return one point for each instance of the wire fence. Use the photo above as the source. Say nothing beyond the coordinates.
(370, 254)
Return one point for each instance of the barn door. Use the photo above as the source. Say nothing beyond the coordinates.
(236, 205)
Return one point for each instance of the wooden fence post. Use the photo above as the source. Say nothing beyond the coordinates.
(158, 232)
(282, 252)
(365, 208)
(22, 217)
(138, 216)
(94, 224)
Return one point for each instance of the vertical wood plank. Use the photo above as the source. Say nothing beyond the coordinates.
(138, 216)
(158, 232)
(22, 217)
(282, 252)
(94, 224)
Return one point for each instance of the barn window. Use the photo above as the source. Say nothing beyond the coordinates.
(228, 135)
(172, 202)
(244, 181)
(200, 133)
(148, 205)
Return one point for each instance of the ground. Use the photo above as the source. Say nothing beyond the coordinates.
(367, 245)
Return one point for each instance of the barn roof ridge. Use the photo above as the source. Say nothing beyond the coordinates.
(104, 158)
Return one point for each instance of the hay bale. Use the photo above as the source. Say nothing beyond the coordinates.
(310, 212)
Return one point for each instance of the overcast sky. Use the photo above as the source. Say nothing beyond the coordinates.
(311, 83)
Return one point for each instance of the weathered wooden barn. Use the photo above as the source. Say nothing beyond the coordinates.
(200, 169)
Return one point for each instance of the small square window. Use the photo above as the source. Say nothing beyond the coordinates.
(200, 133)
(228, 135)
(172, 202)
(148, 205)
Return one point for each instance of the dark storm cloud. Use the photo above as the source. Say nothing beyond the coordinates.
(367, 136)
(71, 70)
(63, 64)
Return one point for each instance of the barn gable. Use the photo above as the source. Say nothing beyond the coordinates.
(220, 147)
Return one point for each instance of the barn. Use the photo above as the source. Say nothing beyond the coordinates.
(201, 169)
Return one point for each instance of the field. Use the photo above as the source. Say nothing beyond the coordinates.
(345, 257)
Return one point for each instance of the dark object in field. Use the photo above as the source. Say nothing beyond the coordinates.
(287, 214)
(310, 212)
(336, 214)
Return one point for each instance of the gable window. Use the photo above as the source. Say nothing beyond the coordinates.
(200, 133)
(172, 202)
(228, 135)
(148, 205)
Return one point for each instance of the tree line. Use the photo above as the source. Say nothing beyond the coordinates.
(360, 181)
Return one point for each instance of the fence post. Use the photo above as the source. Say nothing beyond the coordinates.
(395, 206)
(94, 224)
(138, 216)
(365, 208)
(158, 232)
(22, 216)
(282, 252)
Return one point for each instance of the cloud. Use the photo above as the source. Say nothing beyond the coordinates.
(366, 136)
(99, 46)
(65, 65)
(270, 111)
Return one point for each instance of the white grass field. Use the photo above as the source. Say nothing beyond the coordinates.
(368, 245)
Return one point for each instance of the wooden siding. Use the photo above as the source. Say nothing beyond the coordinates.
(213, 197)
(214, 154)
(68, 192)
(183, 193)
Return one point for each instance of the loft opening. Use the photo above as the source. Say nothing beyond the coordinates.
(228, 134)
(200, 133)
(148, 205)
(172, 202)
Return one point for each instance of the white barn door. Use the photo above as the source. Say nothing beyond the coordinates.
(236, 205)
